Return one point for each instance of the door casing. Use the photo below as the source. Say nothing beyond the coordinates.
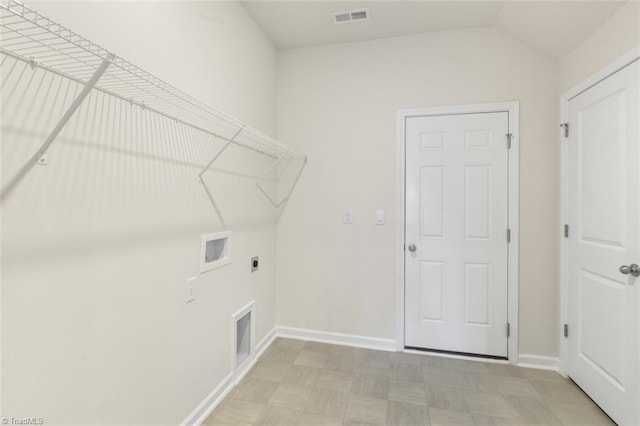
(621, 62)
(513, 109)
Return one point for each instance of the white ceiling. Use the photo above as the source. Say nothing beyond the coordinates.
(554, 27)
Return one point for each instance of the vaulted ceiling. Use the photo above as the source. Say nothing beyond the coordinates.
(555, 27)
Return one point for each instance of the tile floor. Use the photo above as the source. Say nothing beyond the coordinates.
(307, 383)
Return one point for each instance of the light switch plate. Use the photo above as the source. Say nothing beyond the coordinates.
(347, 217)
(191, 289)
(379, 217)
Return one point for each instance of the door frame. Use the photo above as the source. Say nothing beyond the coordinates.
(513, 109)
(616, 65)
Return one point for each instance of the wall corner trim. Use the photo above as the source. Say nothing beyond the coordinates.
(539, 361)
(337, 338)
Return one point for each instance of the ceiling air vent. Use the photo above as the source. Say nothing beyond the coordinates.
(351, 16)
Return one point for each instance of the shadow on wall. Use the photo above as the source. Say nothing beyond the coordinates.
(117, 174)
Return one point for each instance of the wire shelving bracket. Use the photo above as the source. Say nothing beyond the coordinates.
(204, 183)
(282, 176)
(40, 156)
(28, 36)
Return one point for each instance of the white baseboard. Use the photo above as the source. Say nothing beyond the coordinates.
(337, 338)
(265, 342)
(206, 407)
(212, 400)
(539, 361)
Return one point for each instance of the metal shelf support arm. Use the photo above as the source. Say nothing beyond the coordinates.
(204, 184)
(35, 159)
(274, 202)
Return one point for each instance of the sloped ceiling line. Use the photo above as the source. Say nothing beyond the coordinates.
(554, 28)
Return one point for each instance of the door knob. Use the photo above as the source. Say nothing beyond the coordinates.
(632, 269)
(412, 248)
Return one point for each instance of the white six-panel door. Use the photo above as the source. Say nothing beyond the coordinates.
(604, 234)
(456, 233)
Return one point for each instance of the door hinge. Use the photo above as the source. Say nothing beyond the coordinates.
(508, 235)
(509, 137)
(566, 231)
(566, 330)
(508, 329)
(565, 126)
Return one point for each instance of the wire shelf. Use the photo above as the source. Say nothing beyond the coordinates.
(31, 37)
(279, 181)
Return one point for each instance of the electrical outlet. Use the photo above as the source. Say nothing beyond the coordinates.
(191, 289)
(347, 217)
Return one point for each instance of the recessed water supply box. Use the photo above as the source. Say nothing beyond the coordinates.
(215, 251)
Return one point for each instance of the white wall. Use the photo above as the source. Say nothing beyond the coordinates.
(338, 104)
(618, 35)
(97, 245)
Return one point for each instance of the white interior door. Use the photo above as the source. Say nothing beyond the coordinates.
(603, 214)
(456, 233)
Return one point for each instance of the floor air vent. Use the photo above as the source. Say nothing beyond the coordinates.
(243, 344)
